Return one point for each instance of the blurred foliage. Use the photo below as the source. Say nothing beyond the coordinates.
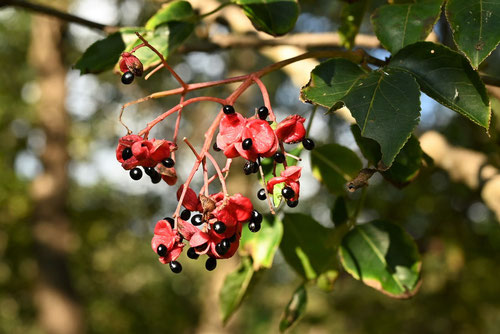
(122, 286)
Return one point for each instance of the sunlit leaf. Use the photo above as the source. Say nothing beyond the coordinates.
(174, 11)
(295, 308)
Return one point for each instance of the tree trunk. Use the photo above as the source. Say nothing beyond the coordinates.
(59, 311)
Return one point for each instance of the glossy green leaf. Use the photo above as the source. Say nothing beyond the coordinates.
(368, 147)
(331, 81)
(475, 27)
(174, 11)
(103, 54)
(165, 38)
(383, 256)
(262, 246)
(447, 77)
(334, 165)
(295, 308)
(275, 17)
(234, 288)
(351, 18)
(397, 26)
(386, 106)
(407, 164)
(306, 246)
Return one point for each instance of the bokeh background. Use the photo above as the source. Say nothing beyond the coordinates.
(75, 230)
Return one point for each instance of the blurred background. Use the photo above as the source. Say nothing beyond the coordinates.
(75, 230)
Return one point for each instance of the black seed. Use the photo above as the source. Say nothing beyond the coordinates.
(161, 250)
(227, 109)
(191, 253)
(136, 174)
(220, 249)
(216, 148)
(308, 143)
(247, 144)
(149, 170)
(127, 78)
(219, 227)
(233, 238)
(127, 153)
(262, 194)
(249, 167)
(256, 217)
(263, 112)
(288, 192)
(197, 220)
(175, 267)
(279, 157)
(254, 227)
(292, 204)
(211, 264)
(155, 177)
(255, 167)
(170, 220)
(168, 162)
(226, 244)
(185, 214)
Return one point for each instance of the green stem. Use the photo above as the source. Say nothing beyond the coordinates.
(357, 210)
(309, 124)
(202, 16)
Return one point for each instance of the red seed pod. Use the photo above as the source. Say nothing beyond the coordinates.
(131, 63)
(290, 176)
(291, 129)
(264, 140)
(169, 238)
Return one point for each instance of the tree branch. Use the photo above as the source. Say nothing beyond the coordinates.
(59, 14)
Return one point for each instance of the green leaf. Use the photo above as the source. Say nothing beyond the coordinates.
(351, 18)
(262, 246)
(306, 246)
(275, 17)
(368, 147)
(103, 54)
(334, 166)
(234, 288)
(383, 256)
(397, 26)
(340, 213)
(295, 308)
(386, 106)
(407, 164)
(174, 11)
(326, 280)
(447, 77)
(475, 27)
(277, 196)
(330, 81)
(165, 38)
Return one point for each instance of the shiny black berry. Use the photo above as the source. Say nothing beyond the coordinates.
(197, 220)
(211, 264)
(221, 250)
(233, 238)
(254, 226)
(263, 112)
(288, 192)
(279, 157)
(247, 144)
(256, 217)
(168, 162)
(262, 194)
(149, 170)
(185, 214)
(155, 177)
(170, 220)
(175, 267)
(308, 143)
(127, 153)
(227, 109)
(161, 250)
(127, 78)
(216, 148)
(136, 174)
(219, 227)
(250, 167)
(292, 204)
(225, 244)
(191, 253)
